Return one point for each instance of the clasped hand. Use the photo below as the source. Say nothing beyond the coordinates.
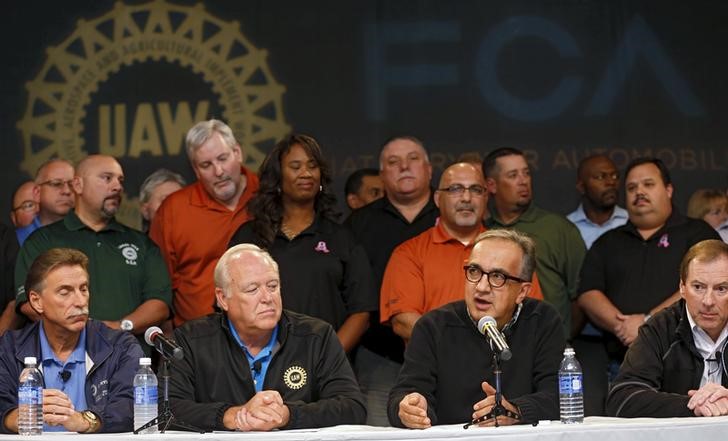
(709, 400)
(264, 411)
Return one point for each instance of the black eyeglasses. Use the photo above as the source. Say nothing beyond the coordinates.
(26, 206)
(496, 279)
(459, 190)
(58, 184)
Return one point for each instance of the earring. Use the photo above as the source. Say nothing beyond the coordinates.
(321, 188)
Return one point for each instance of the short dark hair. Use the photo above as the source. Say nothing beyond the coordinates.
(49, 260)
(704, 251)
(404, 138)
(664, 172)
(354, 181)
(489, 162)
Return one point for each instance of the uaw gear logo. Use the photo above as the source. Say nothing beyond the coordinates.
(295, 377)
(179, 64)
(130, 253)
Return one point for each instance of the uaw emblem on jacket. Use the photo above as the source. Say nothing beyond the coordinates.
(295, 377)
(130, 253)
(100, 390)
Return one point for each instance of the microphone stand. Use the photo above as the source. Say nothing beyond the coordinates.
(498, 408)
(166, 417)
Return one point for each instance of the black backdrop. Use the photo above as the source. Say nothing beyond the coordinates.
(559, 79)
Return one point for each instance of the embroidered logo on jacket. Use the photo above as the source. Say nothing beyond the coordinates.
(130, 253)
(295, 377)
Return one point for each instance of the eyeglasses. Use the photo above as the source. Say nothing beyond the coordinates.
(26, 206)
(58, 184)
(459, 190)
(496, 279)
(604, 176)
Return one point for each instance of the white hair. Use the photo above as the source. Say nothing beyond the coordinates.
(222, 269)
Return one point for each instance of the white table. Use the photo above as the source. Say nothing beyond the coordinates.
(593, 429)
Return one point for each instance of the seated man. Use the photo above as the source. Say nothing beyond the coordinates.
(447, 373)
(87, 367)
(256, 367)
(677, 365)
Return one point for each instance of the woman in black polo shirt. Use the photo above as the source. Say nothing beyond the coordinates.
(324, 272)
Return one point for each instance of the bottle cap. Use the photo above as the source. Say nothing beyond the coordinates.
(30, 360)
(569, 351)
(145, 361)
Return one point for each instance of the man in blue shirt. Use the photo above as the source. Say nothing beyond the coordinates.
(88, 368)
(598, 183)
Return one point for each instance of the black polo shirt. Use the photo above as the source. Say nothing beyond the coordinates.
(638, 274)
(324, 271)
(380, 227)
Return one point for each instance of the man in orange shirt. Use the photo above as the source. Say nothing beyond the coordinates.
(193, 225)
(426, 271)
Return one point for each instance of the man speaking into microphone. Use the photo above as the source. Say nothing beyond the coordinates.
(447, 376)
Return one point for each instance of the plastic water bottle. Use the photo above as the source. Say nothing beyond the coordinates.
(30, 399)
(145, 395)
(571, 390)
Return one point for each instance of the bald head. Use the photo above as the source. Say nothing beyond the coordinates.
(98, 184)
(462, 199)
(25, 205)
(598, 182)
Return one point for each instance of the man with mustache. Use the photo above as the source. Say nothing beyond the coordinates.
(559, 247)
(597, 180)
(425, 272)
(87, 367)
(127, 272)
(193, 226)
(677, 365)
(631, 272)
(447, 376)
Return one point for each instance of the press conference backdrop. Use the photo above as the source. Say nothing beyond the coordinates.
(558, 79)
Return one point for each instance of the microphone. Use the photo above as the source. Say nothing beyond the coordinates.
(155, 338)
(488, 327)
(65, 375)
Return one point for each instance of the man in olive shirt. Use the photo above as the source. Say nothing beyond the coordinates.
(559, 246)
(128, 276)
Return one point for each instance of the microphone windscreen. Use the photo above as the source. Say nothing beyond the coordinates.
(483, 321)
(149, 334)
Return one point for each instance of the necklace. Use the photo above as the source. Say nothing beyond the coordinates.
(291, 233)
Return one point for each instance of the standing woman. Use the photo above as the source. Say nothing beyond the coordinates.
(324, 272)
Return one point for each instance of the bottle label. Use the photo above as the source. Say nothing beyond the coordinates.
(570, 384)
(30, 395)
(145, 395)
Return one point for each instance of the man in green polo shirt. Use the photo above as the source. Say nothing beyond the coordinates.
(129, 279)
(559, 246)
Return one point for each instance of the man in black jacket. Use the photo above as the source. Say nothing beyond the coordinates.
(677, 364)
(447, 374)
(256, 367)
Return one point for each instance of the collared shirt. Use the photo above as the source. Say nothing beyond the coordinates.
(559, 254)
(723, 231)
(591, 231)
(259, 363)
(713, 370)
(23, 232)
(75, 366)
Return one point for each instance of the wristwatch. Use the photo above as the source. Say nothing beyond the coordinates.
(127, 325)
(93, 421)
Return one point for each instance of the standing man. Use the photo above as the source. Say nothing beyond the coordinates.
(447, 375)
(559, 247)
(193, 226)
(363, 187)
(256, 367)
(154, 190)
(87, 368)
(25, 205)
(406, 211)
(677, 365)
(127, 271)
(598, 183)
(631, 272)
(53, 189)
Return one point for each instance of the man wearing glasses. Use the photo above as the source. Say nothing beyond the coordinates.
(677, 366)
(25, 205)
(54, 193)
(447, 376)
(425, 272)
